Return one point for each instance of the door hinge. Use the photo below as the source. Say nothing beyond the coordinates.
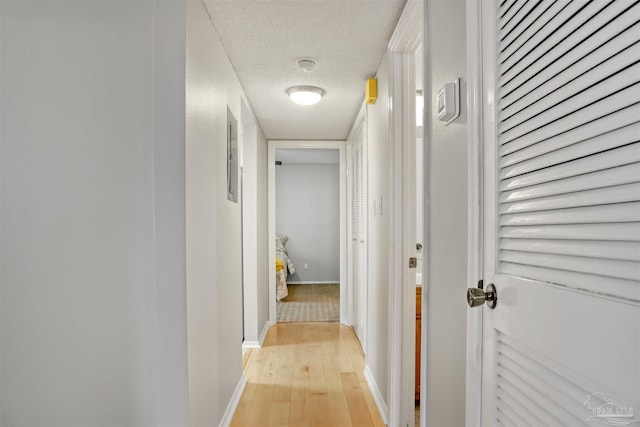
(413, 262)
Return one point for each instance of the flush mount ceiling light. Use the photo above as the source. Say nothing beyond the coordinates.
(305, 95)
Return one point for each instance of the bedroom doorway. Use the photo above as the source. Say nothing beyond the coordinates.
(307, 228)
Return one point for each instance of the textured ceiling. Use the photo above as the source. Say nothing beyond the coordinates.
(264, 38)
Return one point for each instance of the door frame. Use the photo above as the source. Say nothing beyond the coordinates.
(271, 173)
(475, 203)
(406, 39)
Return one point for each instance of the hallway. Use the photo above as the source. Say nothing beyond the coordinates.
(307, 374)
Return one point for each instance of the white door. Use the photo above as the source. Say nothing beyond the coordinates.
(359, 230)
(561, 213)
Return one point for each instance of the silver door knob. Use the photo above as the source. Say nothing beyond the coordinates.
(478, 296)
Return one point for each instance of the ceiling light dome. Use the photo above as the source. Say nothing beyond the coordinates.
(305, 95)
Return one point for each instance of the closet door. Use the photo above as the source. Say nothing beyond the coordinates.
(562, 212)
(359, 221)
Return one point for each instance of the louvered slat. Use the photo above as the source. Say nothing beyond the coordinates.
(546, 37)
(565, 121)
(583, 29)
(596, 266)
(612, 122)
(516, 401)
(548, 82)
(610, 141)
(609, 286)
(520, 395)
(622, 212)
(625, 232)
(523, 12)
(505, 7)
(606, 160)
(601, 196)
(629, 251)
(532, 387)
(518, 35)
(510, 15)
(569, 153)
(621, 175)
(507, 416)
(538, 20)
(610, 40)
(560, 389)
(614, 74)
(563, 102)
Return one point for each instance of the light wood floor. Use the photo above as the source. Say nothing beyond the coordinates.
(307, 374)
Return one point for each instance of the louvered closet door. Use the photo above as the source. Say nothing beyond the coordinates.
(359, 218)
(562, 212)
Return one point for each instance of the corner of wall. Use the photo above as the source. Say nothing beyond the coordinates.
(377, 396)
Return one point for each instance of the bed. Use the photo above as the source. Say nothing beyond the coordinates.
(284, 267)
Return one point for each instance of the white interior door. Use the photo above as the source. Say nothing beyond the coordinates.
(359, 232)
(562, 213)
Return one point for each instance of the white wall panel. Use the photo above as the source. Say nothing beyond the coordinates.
(92, 284)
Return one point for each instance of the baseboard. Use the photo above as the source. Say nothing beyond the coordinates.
(263, 334)
(250, 344)
(233, 403)
(377, 396)
(315, 282)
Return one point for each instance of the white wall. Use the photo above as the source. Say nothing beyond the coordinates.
(263, 230)
(92, 279)
(214, 252)
(254, 234)
(444, 317)
(379, 256)
(308, 212)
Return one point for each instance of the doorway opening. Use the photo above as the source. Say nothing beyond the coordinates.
(307, 240)
(307, 231)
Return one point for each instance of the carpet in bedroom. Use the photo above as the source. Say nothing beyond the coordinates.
(310, 303)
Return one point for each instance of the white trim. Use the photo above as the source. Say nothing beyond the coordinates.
(426, 200)
(397, 363)
(233, 403)
(271, 171)
(314, 282)
(377, 396)
(404, 38)
(473, 405)
(263, 334)
(250, 344)
(407, 38)
(409, 237)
